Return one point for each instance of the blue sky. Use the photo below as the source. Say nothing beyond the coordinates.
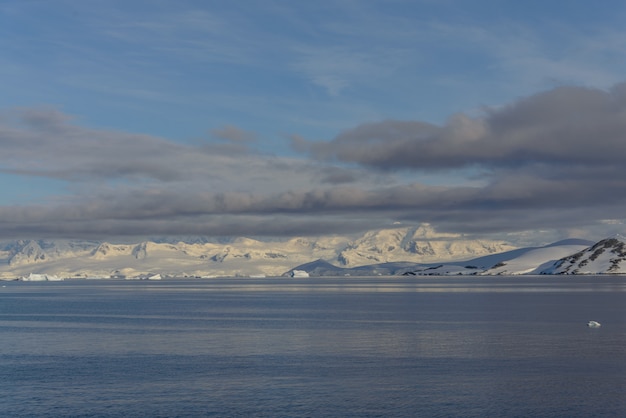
(294, 118)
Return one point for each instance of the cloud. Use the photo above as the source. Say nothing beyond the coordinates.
(566, 126)
(549, 161)
(234, 134)
(336, 175)
(41, 142)
(473, 210)
(335, 68)
(127, 183)
(45, 142)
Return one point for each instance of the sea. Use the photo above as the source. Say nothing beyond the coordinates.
(316, 347)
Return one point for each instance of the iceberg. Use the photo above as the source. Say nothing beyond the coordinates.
(32, 277)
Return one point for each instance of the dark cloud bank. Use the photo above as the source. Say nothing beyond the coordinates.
(549, 161)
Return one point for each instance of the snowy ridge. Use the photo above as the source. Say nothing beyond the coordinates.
(236, 257)
(605, 257)
(533, 260)
(421, 244)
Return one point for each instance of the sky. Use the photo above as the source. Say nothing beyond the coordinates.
(282, 118)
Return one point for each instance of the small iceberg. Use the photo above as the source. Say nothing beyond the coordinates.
(32, 277)
(594, 324)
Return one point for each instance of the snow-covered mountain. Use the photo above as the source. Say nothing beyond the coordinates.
(240, 256)
(605, 257)
(25, 252)
(535, 260)
(399, 251)
(422, 244)
(532, 260)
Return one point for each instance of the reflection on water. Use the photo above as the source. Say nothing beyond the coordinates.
(496, 346)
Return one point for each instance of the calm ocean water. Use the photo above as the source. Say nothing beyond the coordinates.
(491, 346)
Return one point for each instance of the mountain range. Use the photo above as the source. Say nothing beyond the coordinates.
(397, 251)
(202, 257)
